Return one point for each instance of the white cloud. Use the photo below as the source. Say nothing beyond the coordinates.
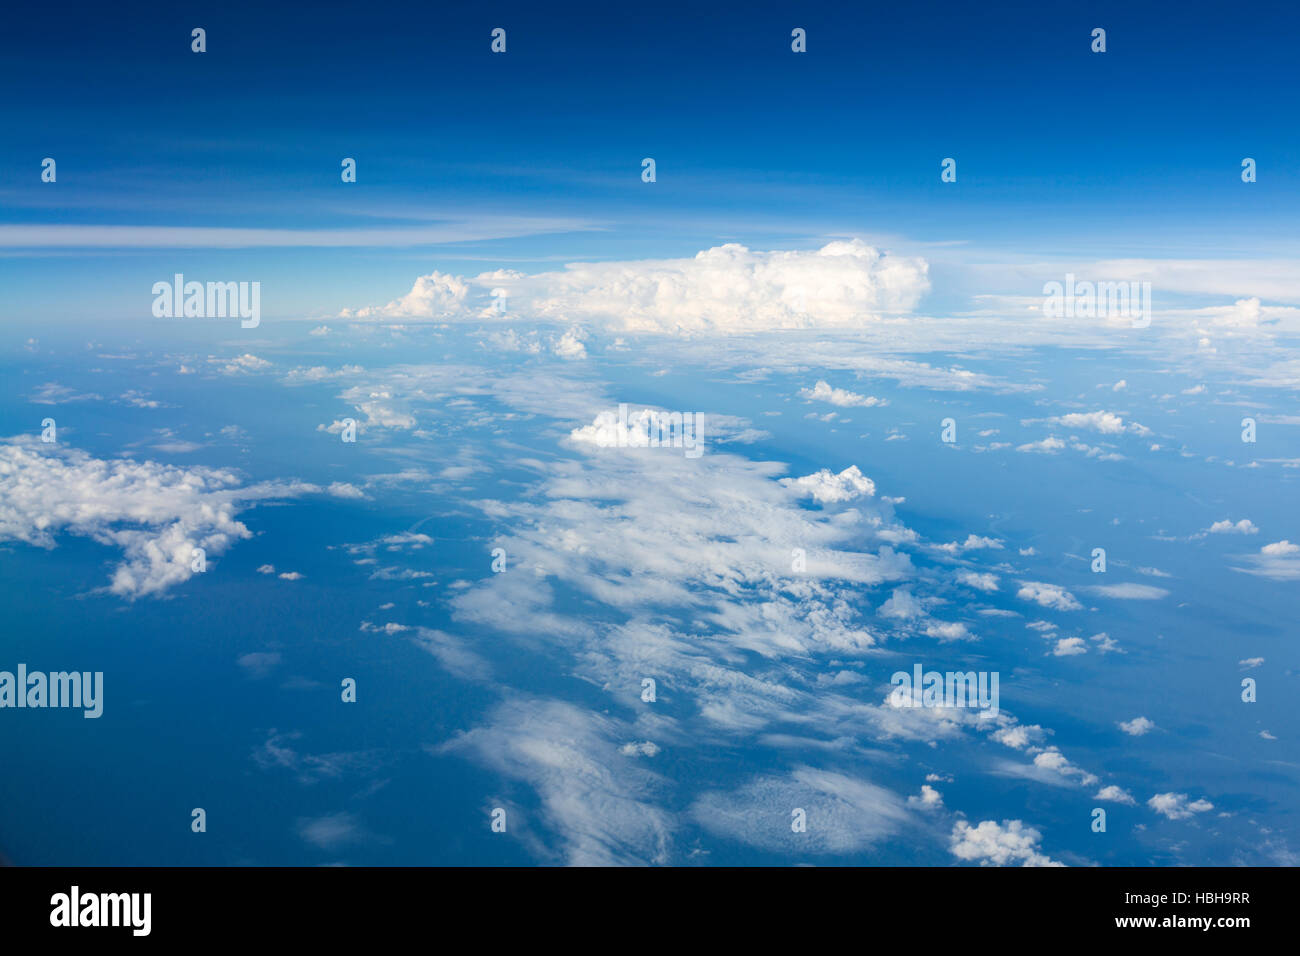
(901, 605)
(844, 814)
(1244, 526)
(564, 753)
(1279, 561)
(1050, 445)
(823, 392)
(980, 582)
(724, 289)
(1116, 794)
(1048, 595)
(154, 514)
(1176, 806)
(929, 799)
(241, 364)
(1069, 647)
(646, 748)
(998, 844)
(569, 345)
(1106, 423)
(1280, 549)
(1137, 726)
(825, 487)
(973, 542)
(454, 653)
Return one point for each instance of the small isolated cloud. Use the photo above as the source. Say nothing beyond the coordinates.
(1048, 595)
(1115, 794)
(1251, 662)
(1244, 526)
(1069, 647)
(1008, 843)
(823, 392)
(1105, 423)
(291, 576)
(1280, 549)
(1176, 806)
(1137, 726)
(947, 630)
(646, 748)
(1105, 643)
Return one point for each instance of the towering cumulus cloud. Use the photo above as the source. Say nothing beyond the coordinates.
(728, 288)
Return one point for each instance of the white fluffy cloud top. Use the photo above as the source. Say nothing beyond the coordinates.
(154, 514)
(728, 288)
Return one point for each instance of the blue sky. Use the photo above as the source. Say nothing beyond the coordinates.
(799, 276)
(533, 157)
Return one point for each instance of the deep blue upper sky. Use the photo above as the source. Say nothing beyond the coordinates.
(1134, 152)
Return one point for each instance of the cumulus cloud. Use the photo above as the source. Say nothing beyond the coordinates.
(973, 542)
(928, 799)
(155, 514)
(980, 582)
(823, 392)
(1115, 794)
(826, 487)
(728, 288)
(1244, 526)
(1048, 595)
(991, 843)
(1280, 549)
(1106, 423)
(1069, 647)
(1137, 726)
(1177, 806)
(1279, 561)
